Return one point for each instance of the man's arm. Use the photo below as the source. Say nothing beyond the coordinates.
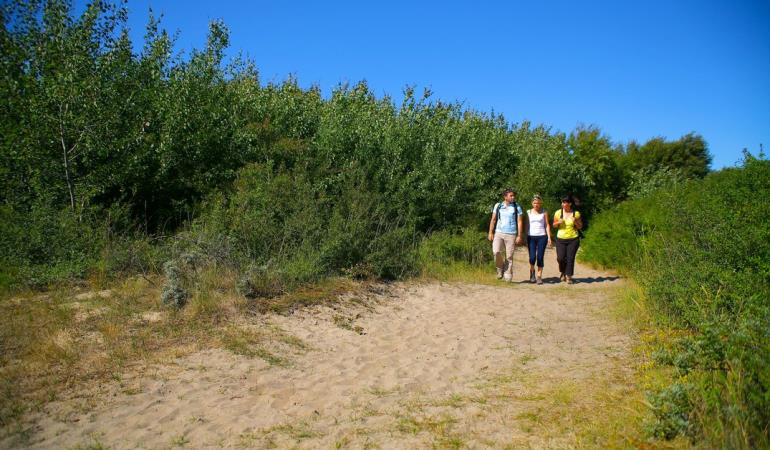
(520, 229)
(492, 226)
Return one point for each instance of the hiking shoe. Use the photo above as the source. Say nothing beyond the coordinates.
(499, 273)
(539, 280)
(507, 278)
(562, 277)
(532, 278)
(569, 280)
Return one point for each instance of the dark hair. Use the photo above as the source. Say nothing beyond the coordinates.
(505, 192)
(567, 198)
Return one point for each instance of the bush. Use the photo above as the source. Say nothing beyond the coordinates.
(392, 254)
(174, 292)
(672, 408)
(445, 247)
(701, 251)
(261, 282)
(42, 244)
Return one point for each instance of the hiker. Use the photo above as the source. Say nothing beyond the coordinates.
(504, 232)
(539, 235)
(568, 222)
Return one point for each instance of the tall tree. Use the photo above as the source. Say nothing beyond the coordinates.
(689, 155)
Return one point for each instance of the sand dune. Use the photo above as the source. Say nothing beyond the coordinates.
(422, 365)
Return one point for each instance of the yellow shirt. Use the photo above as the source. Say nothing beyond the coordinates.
(567, 228)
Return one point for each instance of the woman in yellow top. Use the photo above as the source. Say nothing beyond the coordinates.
(568, 222)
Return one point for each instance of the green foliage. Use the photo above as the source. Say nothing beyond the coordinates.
(689, 154)
(45, 244)
(672, 408)
(701, 251)
(173, 293)
(643, 182)
(270, 175)
(392, 254)
(444, 247)
(603, 176)
(261, 282)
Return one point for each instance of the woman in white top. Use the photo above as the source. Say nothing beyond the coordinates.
(539, 235)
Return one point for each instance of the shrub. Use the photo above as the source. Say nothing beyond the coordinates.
(392, 254)
(672, 408)
(261, 282)
(701, 253)
(42, 244)
(174, 292)
(445, 247)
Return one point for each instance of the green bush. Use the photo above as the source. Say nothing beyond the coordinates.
(445, 247)
(261, 282)
(43, 244)
(672, 408)
(701, 251)
(392, 254)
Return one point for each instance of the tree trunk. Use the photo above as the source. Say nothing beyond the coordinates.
(67, 170)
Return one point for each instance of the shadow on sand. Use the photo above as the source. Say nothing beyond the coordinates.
(586, 280)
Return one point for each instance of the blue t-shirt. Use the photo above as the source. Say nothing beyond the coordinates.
(505, 222)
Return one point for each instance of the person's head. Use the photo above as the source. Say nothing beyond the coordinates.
(537, 202)
(566, 202)
(509, 195)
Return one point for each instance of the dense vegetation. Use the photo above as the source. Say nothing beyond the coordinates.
(701, 252)
(115, 160)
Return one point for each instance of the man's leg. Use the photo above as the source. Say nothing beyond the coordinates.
(510, 247)
(497, 250)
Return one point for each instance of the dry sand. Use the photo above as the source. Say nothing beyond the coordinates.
(423, 365)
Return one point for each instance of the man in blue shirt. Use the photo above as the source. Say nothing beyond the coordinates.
(504, 232)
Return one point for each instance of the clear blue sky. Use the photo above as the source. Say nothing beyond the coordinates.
(634, 69)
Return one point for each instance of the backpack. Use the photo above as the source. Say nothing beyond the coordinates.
(515, 215)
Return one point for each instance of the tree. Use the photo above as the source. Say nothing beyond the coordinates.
(689, 155)
(600, 161)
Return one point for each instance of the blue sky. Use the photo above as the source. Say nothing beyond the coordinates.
(634, 69)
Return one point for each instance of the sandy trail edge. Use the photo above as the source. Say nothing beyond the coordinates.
(435, 364)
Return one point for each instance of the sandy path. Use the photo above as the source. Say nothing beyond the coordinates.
(436, 364)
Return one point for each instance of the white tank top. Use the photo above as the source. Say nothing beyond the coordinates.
(536, 223)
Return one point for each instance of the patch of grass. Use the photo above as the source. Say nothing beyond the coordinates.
(325, 291)
(248, 342)
(93, 444)
(419, 423)
(346, 323)
(452, 401)
(55, 345)
(463, 273)
(180, 441)
(527, 358)
(299, 431)
(382, 392)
